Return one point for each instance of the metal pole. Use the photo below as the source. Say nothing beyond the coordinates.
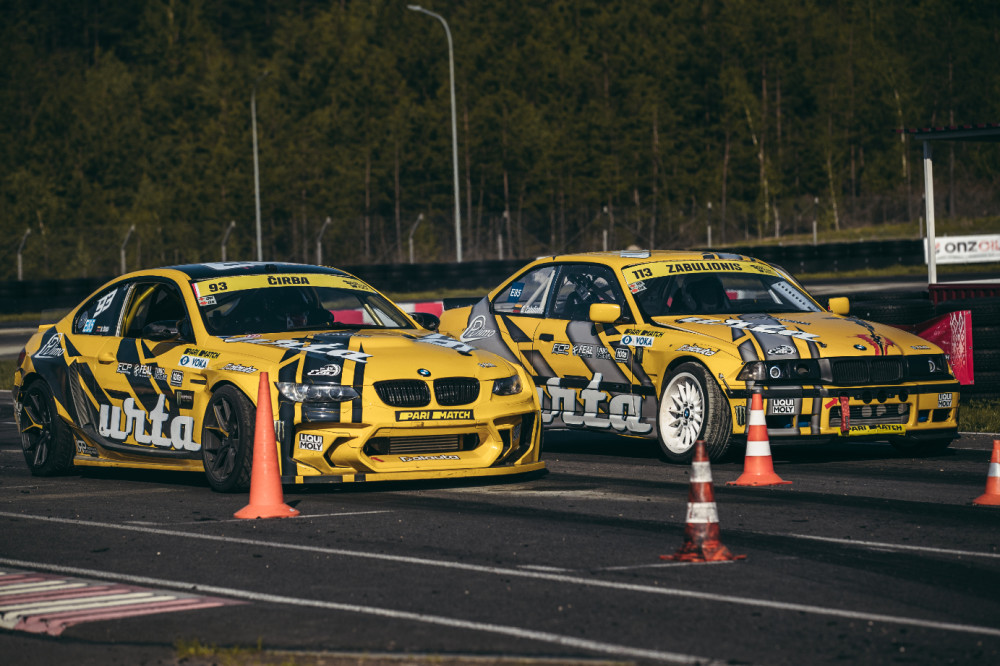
(420, 218)
(256, 166)
(225, 237)
(20, 249)
(709, 224)
(929, 210)
(454, 127)
(500, 246)
(124, 243)
(319, 242)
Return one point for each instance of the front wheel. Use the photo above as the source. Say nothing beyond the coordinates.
(227, 440)
(692, 407)
(46, 441)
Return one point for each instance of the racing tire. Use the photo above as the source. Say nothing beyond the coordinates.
(46, 440)
(692, 407)
(923, 447)
(909, 311)
(227, 440)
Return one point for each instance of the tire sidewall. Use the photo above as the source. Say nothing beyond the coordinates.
(61, 451)
(716, 428)
(245, 414)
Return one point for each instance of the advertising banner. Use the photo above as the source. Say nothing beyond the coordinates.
(965, 249)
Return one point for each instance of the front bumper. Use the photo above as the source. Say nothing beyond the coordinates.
(868, 413)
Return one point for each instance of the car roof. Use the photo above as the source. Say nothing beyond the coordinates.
(231, 268)
(623, 258)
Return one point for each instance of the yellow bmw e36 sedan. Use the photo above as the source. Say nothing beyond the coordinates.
(669, 345)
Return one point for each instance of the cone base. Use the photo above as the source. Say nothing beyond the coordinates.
(266, 511)
(768, 479)
(706, 552)
(988, 499)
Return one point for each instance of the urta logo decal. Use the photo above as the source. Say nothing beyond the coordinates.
(148, 428)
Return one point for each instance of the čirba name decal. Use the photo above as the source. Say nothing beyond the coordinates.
(148, 428)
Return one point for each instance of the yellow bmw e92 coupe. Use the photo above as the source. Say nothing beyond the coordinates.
(160, 369)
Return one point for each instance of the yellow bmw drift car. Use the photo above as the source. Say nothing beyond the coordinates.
(160, 369)
(669, 345)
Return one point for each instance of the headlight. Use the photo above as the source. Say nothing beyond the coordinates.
(507, 386)
(792, 369)
(316, 392)
(928, 366)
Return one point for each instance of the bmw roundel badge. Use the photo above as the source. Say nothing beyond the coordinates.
(860, 347)
(424, 372)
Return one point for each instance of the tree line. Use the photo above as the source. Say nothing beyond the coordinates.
(581, 124)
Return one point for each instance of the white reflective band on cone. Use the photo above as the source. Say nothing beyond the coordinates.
(757, 417)
(758, 449)
(701, 472)
(702, 512)
(994, 469)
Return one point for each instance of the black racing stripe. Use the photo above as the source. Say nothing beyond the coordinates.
(539, 364)
(516, 334)
(71, 349)
(359, 383)
(748, 350)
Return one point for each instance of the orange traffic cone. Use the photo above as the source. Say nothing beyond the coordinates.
(992, 495)
(701, 534)
(758, 468)
(266, 497)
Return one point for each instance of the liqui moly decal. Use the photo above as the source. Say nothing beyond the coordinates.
(156, 428)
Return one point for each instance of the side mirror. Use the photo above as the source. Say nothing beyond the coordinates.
(605, 313)
(840, 305)
(159, 331)
(426, 320)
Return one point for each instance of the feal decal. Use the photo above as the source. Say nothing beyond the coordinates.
(621, 412)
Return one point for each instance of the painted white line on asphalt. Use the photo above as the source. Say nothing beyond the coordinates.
(559, 578)
(661, 565)
(249, 595)
(896, 546)
(241, 520)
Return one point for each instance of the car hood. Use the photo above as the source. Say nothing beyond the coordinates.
(781, 335)
(384, 354)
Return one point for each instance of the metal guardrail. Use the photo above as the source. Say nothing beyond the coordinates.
(33, 295)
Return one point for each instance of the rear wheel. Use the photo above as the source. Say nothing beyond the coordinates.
(47, 441)
(227, 440)
(692, 407)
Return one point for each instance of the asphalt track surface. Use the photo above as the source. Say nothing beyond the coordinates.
(866, 558)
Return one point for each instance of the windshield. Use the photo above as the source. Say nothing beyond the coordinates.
(275, 303)
(713, 287)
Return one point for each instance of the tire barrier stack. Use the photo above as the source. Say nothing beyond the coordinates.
(897, 308)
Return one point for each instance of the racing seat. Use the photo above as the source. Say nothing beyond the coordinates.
(704, 294)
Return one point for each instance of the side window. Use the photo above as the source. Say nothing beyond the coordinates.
(101, 313)
(528, 294)
(580, 286)
(152, 302)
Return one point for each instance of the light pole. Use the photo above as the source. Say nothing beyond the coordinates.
(124, 244)
(256, 167)
(454, 127)
(319, 242)
(20, 250)
(225, 237)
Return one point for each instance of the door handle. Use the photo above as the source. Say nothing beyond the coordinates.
(105, 357)
(545, 337)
